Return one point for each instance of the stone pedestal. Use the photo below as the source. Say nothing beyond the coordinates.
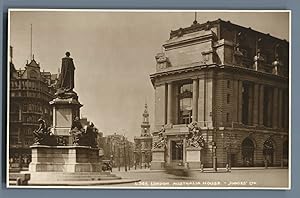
(66, 163)
(193, 158)
(64, 112)
(158, 159)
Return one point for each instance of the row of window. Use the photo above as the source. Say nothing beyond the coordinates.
(31, 94)
(185, 96)
(15, 108)
(26, 84)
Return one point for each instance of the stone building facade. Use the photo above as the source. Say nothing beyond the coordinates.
(221, 97)
(31, 90)
(143, 143)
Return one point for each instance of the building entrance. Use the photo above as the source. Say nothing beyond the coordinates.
(177, 150)
(248, 152)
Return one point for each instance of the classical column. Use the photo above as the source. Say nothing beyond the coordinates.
(201, 102)
(235, 115)
(275, 108)
(280, 108)
(250, 105)
(270, 106)
(169, 108)
(261, 106)
(195, 100)
(240, 101)
(255, 104)
(209, 102)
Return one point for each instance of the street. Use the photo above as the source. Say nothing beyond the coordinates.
(242, 178)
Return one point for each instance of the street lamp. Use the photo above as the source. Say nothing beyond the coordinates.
(125, 162)
(214, 147)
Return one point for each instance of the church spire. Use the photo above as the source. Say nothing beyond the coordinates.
(145, 126)
(146, 114)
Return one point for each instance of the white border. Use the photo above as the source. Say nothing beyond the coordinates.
(139, 187)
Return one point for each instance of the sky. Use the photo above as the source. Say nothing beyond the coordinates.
(113, 53)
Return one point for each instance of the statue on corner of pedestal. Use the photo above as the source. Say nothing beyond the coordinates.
(83, 136)
(195, 138)
(77, 131)
(43, 135)
(160, 141)
(65, 84)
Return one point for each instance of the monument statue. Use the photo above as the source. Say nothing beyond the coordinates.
(77, 131)
(65, 84)
(83, 136)
(43, 135)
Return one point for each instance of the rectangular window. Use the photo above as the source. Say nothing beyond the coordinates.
(228, 83)
(227, 117)
(228, 98)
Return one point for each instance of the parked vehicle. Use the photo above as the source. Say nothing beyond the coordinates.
(106, 165)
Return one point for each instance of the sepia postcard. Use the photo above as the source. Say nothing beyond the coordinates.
(149, 99)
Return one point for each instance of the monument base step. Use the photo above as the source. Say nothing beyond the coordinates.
(36, 177)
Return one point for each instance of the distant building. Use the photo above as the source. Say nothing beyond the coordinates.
(221, 97)
(31, 90)
(118, 149)
(143, 143)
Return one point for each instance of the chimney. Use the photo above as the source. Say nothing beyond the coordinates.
(11, 53)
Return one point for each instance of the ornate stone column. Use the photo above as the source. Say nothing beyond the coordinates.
(261, 105)
(240, 101)
(169, 103)
(275, 108)
(201, 102)
(236, 101)
(255, 104)
(280, 108)
(195, 100)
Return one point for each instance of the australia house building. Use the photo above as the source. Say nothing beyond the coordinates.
(221, 98)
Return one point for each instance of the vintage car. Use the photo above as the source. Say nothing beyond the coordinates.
(106, 165)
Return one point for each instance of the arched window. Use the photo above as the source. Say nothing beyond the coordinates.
(248, 152)
(185, 103)
(33, 74)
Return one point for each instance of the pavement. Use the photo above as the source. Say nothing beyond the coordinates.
(253, 177)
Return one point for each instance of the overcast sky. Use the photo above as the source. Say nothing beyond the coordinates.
(114, 54)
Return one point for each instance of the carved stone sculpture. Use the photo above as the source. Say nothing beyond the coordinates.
(160, 142)
(195, 138)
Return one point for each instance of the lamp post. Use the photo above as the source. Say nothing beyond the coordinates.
(125, 161)
(119, 156)
(128, 153)
(214, 147)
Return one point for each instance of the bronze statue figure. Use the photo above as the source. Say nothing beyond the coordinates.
(43, 135)
(83, 136)
(65, 82)
(77, 131)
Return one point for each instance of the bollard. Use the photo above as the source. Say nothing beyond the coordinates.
(266, 164)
